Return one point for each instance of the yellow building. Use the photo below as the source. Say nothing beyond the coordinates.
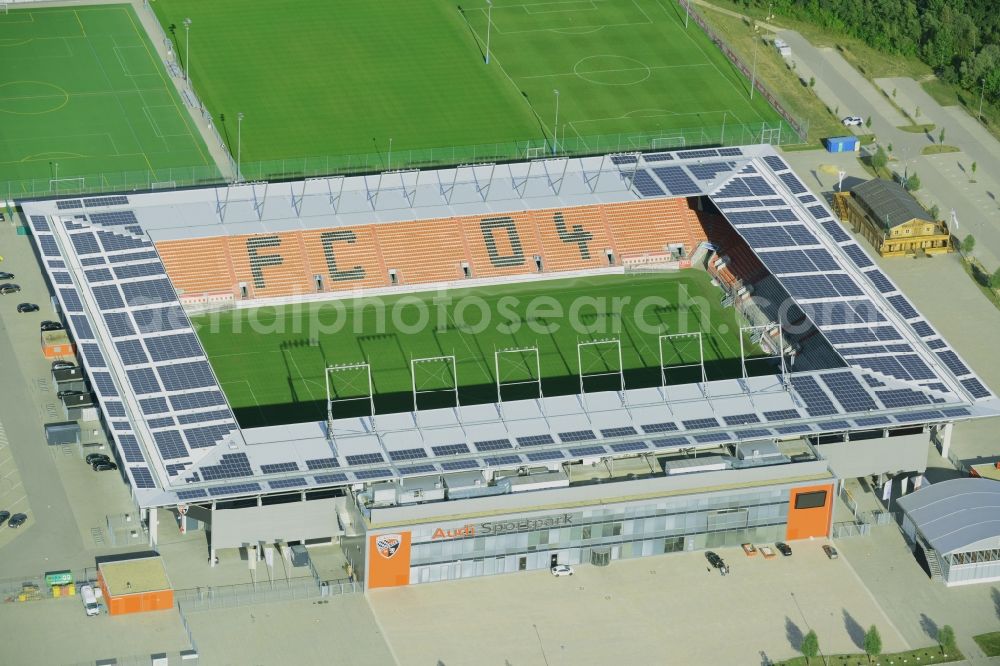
(891, 219)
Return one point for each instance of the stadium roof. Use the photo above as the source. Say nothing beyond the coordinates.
(956, 515)
(178, 436)
(889, 203)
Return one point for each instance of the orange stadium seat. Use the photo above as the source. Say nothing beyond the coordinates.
(572, 238)
(423, 251)
(499, 245)
(198, 267)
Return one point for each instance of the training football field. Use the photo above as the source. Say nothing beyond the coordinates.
(83, 93)
(271, 360)
(391, 79)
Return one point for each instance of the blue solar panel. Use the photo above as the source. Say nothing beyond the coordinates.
(913, 417)
(740, 419)
(975, 388)
(148, 292)
(849, 392)
(937, 344)
(164, 422)
(709, 171)
(754, 432)
(696, 424)
(195, 374)
(651, 428)
(84, 243)
(893, 398)
(235, 489)
(857, 255)
(114, 408)
(153, 406)
(625, 159)
(119, 324)
(765, 237)
(338, 477)
(845, 284)
(531, 440)
(121, 426)
(809, 286)
(741, 218)
(735, 188)
(95, 359)
(65, 204)
(577, 436)
(71, 300)
(108, 297)
(817, 403)
(131, 352)
(407, 454)
(792, 183)
(835, 230)
(48, 245)
(759, 186)
(113, 242)
(459, 464)
(730, 152)
(775, 162)
(322, 463)
(782, 415)
(645, 184)
(139, 270)
(915, 366)
(170, 444)
(155, 320)
(191, 494)
(922, 328)
(374, 473)
(199, 438)
(277, 468)
(116, 200)
(670, 442)
(807, 198)
(901, 305)
(697, 154)
(712, 437)
(455, 449)
(588, 451)
(872, 421)
(133, 256)
(142, 477)
(81, 327)
(197, 400)
(496, 461)
(626, 447)
(792, 429)
(172, 347)
(364, 459)
(143, 381)
(956, 411)
(231, 466)
(880, 281)
(204, 417)
(417, 469)
(677, 180)
(60, 277)
(295, 482)
(618, 432)
(821, 259)
(658, 157)
(539, 456)
(58, 263)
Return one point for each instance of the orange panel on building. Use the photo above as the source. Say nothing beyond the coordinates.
(56, 344)
(389, 560)
(135, 586)
(809, 511)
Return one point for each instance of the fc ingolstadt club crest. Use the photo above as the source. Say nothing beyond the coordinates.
(388, 544)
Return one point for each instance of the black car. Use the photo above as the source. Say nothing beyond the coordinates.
(104, 466)
(62, 365)
(6, 276)
(783, 548)
(9, 288)
(27, 307)
(97, 457)
(4, 515)
(717, 562)
(17, 520)
(67, 393)
(51, 326)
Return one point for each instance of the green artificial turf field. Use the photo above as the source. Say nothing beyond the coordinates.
(317, 78)
(83, 93)
(271, 361)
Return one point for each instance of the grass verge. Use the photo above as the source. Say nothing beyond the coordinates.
(929, 655)
(989, 643)
(939, 148)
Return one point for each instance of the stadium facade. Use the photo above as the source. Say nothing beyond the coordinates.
(860, 378)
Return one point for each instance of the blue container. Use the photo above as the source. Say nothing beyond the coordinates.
(841, 144)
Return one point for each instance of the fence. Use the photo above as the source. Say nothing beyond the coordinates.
(232, 596)
(801, 127)
(850, 529)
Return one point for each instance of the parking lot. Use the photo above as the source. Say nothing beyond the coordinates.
(674, 606)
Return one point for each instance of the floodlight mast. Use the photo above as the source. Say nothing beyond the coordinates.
(489, 24)
(187, 49)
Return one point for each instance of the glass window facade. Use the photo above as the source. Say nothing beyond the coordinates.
(971, 566)
(484, 547)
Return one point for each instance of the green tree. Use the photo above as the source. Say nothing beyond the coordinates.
(873, 641)
(894, 93)
(917, 114)
(946, 635)
(941, 136)
(810, 645)
(934, 211)
(879, 159)
(889, 148)
(968, 244)
(974, 167)
(995, 279)
(812, 81)
(913, 182)
(868, 122)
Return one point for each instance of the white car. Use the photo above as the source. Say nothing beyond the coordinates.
(853, 121)
(562, 570)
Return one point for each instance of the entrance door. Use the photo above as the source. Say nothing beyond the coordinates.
(522, 564)
(553, 560)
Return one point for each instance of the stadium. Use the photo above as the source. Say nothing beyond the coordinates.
(630, 331)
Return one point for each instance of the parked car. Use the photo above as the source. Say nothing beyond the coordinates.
(62, 365)
(853, 121)
(17, 520)
(9, 288)
(97, 457)
(4, 516)
(90, 603)
(717, 562)
(67, 393)
(830, 551)
(27, 307)
(783, 548)
(6, 276)
(562, 570)
(51, 326)
(104, 466)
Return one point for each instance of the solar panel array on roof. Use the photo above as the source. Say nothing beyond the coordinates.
(455, 449)
(500, 444)
(113, 218)
(849, 392)
(231, 466)
(194, 374)
(456, 465)
(116, 200)
(173, 347)
(584, 451)
(645, 184)
(417, 469)
(234, 489)
(539, 456)
(627, 447)
(650, 428)
(364, 459)
(322, 463)
(530, 440)
(740, 419)
(496, 461)
(817, 403)
(676, 180)
(407, 454)
(141, 477)
(697, 424)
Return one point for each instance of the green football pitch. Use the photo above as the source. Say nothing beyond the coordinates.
(83, 93)
(271, 360)
(317, 78)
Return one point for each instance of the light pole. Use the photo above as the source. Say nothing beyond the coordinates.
(489, 24)
(555, 126)
(981, 91)
(753, 75)
(239, 146)
(388, 161)
(187, 48)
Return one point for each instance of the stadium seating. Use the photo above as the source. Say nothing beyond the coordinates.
(439, 250)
